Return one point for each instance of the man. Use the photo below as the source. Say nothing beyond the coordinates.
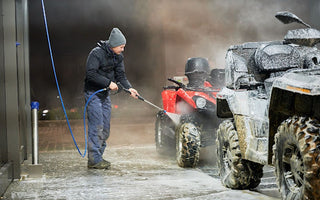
(104, 69)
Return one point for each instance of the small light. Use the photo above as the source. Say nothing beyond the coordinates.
(201, 102)
(304, 90)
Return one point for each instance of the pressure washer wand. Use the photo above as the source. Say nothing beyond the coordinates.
(148, 102)
(173, 116)
(142, 99)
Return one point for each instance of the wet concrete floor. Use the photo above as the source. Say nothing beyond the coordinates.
(137, 171)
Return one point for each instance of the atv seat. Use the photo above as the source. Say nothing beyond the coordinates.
(217, 78)
(275, 58)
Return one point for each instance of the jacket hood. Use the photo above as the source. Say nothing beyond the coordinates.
(105, 45)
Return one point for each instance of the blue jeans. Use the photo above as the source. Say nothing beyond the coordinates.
(99, 114)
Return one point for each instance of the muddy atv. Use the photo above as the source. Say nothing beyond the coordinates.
(271, 111)
(190, 119)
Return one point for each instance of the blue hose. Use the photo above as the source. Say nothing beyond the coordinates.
(84, 122)
(56, 79)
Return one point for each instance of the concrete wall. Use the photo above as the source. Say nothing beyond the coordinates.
(15, 131)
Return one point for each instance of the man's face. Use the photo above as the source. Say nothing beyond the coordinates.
(119, 49)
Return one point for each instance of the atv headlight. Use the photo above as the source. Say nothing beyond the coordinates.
(201, 102)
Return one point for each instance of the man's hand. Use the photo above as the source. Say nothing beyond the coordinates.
(134, 93)
(113, 86)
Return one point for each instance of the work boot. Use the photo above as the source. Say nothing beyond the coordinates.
(106, 162)
(100, 165)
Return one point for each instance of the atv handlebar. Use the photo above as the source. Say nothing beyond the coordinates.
(183, 86)
(171, 87)
(177, 82)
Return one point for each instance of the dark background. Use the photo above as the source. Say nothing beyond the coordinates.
(161, 36)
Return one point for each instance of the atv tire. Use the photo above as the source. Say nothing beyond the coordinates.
(187, 145)
(164, 144)
(235, 172)
(297, 159)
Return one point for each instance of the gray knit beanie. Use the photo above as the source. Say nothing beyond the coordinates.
(116, 38)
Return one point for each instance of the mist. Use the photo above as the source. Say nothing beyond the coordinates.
(161, 36)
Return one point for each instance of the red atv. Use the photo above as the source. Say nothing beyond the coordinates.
(189, 120)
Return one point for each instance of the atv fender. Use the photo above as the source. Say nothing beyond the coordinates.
(183, 94)
(223, 109)
(249, 110)
(300, 81)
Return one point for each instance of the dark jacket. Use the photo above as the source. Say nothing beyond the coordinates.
(104, 66)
